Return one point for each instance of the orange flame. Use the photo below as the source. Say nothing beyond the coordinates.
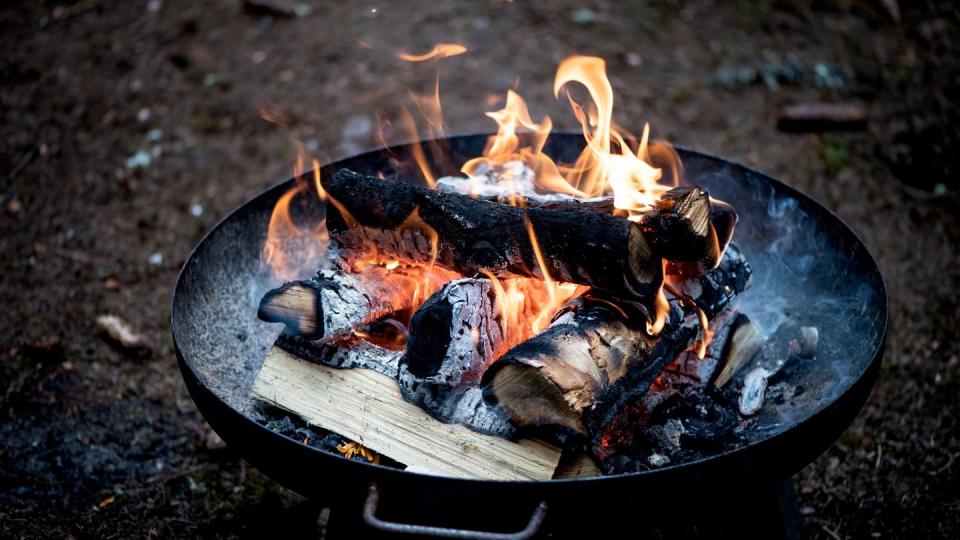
(291, 249)
(527, 305)
(607, 163)
(707, 334)
(661, 308)
(440, 50)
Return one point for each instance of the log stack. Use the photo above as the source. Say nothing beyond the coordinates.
(458, 360)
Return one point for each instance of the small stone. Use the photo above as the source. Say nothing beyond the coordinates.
(14, 207)
(144, 115)
(258, 57)
(196, 210)
(112, 284)
(358, 127)
(154, 6)
(156, 258)
(632, 59)
(210, 79)
(139, 160)
(583, 16)
(154, 134)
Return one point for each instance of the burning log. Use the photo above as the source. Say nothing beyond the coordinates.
(593, 360)
(455, 334)
(468, 235)
(337, 302)
(681, 210)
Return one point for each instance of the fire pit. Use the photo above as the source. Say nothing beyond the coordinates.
(807, 266)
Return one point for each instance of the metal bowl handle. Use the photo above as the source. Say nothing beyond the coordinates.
(373, 499)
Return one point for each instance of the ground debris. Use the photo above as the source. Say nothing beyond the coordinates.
(276, 8)
(123, 335)
(822, 117)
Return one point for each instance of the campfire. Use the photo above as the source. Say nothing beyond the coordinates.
(527, 320)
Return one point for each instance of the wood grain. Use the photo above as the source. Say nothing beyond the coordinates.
(366, 406)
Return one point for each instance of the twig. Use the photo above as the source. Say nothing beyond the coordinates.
(833, 534)
(61, 13)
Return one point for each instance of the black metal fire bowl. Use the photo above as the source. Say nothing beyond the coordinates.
(808, 266)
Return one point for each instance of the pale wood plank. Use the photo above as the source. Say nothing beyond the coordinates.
(366, 406)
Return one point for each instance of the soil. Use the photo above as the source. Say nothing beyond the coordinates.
(129, 128)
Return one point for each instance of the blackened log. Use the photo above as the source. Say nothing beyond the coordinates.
(455, 335)
(590, 248)
(512, 183)
(337, 302)
(579, 373)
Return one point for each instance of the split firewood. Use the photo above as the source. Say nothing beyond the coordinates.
(594, 359)
(366, 406)
(822, 117)
(744, 343)
(590, 248)
(337, 302)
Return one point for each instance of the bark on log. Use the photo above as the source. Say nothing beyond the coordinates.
(455, 335)
(579, 372)
(590, 248)
(518, 186)
(336, 302)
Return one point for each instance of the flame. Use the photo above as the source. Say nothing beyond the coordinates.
(606, 165)
(414, 222)
(661, 308)
(506, 146)
(707, 334)
(292, 248)
(527, 305)
(440, 50)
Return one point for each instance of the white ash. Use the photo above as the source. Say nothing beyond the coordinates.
(658, 460)
(460, 406)
(668, 435)
(500, 182)
(754, 386)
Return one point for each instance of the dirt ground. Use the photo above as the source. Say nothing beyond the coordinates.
(130, 127)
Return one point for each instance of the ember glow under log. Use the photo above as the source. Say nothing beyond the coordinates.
(577, 246)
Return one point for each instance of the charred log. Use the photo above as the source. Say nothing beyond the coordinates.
(455, 335)
(579, 373)
(577, 246)
(336, 302)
